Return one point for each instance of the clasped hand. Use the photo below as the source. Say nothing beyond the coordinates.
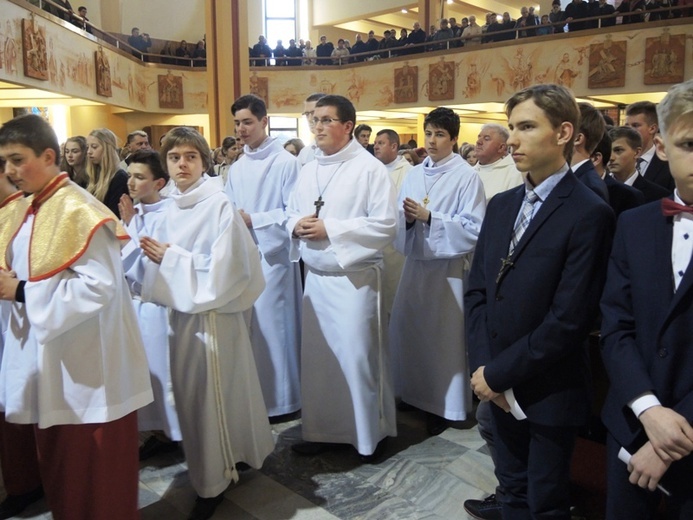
(126, 208)
(415, 211)
(153, 249)
(310, 228)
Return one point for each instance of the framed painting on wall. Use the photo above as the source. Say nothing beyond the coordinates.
(34, 50)
(103, 73)
(407, 84)
(664, 58)
(607, 64)
(170, 91)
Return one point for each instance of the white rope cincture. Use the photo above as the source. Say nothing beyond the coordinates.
(381, 382)
(230, 472)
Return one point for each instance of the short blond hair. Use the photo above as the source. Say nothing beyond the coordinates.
(677, 103)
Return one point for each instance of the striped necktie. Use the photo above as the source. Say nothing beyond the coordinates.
(525, 218)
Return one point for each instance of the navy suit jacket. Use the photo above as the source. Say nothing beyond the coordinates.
(529, 324)
(658, 172)
(622, 196)
(649, 189)
(647, 328)
(590, 178)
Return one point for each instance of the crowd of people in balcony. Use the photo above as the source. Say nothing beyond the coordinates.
(578, 15)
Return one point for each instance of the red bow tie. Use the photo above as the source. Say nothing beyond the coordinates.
(671, 208)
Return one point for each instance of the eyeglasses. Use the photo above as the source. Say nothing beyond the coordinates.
(325, 121)
(308, 114)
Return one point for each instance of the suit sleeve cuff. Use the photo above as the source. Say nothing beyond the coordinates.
(515, 408)
(643, 402)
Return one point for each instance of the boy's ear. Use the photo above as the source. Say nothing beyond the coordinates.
(565, 133)
(159, 184)
(49, 156)
(660, 147)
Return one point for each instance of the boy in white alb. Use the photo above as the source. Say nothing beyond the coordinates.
(205, 267)
(341, 216)
(74, 364)
(443, 204)
(259, 184)
(146, 177)
(20, 473)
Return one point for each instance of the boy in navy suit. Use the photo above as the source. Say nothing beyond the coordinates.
(647, 331)
(534, 287)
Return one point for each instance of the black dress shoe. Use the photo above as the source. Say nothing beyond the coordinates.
(435, 425)
(486, 509)
(311, 449)
(377, 455)
(155, 446)
(205, 507)
(15, 504)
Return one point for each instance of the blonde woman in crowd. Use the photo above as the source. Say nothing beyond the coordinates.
(106, 182)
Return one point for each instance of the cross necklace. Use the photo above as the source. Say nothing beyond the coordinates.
(319, 203)
(426, 200)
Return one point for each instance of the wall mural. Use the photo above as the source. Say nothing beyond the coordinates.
(260, 87)
(476, 72)
(665, 58)
(103, 73)
(589, 65)
(407, 84)
(67, 62)
(10, 43)
(34, 49)
(647, 60)
(170, 91)
(607, 64)
(441, 80)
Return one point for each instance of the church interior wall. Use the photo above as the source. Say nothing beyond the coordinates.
(166, 19)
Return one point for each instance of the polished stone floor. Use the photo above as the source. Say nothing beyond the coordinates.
(421, 477)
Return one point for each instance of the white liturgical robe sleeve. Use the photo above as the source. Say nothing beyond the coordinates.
(457, 205)
(75, 295)
(225, 276)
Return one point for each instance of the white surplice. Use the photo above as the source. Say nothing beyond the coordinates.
(259, 183)
(345, 378)
(153, 322)
(499, 176)
(393, 259)
(208, 277)
(73, 353)
(427, 334)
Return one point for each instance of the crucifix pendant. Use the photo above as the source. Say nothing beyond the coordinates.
(318, 205)
(425, 201)
(506, 263)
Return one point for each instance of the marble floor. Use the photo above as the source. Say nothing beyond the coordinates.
(421, 477)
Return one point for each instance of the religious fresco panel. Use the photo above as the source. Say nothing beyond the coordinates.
(652, 59)
(664, 58)
(170, 91)
(103, 73)
(441, 81)
(607, 64)
(260, 87)
(34, 49)
(406, 84)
